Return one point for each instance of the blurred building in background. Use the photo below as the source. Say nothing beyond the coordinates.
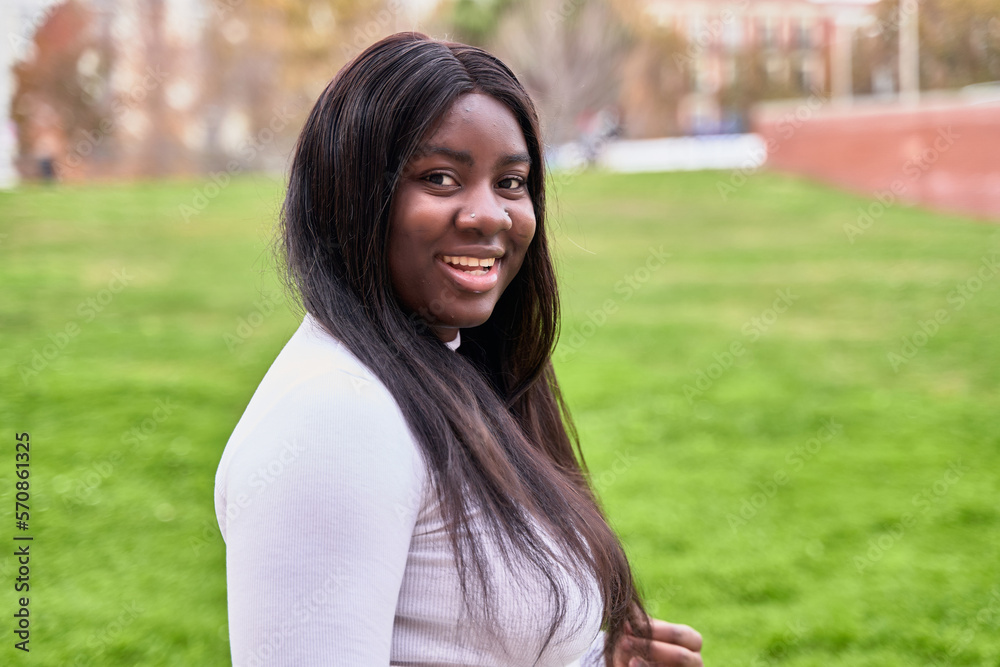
(148, 88)
(737, 53)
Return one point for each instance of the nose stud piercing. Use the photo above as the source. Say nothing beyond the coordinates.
(506, 214)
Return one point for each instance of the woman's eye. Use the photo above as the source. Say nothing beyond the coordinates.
(441, 179)
(511, 183)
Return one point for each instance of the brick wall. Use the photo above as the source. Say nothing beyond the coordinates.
(944, 154)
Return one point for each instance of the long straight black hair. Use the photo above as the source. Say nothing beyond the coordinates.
(490, 420)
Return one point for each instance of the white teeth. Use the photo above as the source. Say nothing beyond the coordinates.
(470, 261)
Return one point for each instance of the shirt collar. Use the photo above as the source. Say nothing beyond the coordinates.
(453, 344)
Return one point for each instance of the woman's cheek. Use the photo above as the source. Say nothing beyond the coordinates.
(525, 231)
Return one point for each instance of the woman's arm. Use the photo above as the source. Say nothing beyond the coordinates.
(321, 498)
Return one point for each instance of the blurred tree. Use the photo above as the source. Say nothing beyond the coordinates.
(268, 60)
(99, 68)
(568, 53)
(654, 80)
(959, 41)
(475, 21)
(753, 83)
(160, 152)
(58, 98)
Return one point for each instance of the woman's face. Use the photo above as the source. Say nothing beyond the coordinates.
(462, 218)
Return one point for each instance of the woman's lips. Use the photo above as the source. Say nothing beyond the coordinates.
(467, 281)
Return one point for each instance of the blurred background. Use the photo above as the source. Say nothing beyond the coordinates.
(110, 89)
(775, 226)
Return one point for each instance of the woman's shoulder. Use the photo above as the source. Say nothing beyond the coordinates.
(315, 371)
(320, 402)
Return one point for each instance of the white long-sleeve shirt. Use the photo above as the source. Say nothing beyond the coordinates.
(336, 550)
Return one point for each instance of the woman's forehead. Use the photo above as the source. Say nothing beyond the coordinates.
(473, 120)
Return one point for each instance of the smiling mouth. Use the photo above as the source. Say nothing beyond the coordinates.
(471, 265)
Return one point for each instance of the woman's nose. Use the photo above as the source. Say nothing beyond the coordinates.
(483, 212)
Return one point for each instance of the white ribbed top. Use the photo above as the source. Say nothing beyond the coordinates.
(336, 551)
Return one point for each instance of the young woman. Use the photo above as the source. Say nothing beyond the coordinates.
(403, 487)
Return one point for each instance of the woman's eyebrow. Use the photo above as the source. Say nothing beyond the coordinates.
(464, 157)
(514, 158)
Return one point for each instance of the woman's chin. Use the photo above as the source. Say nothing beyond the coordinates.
(464, 318)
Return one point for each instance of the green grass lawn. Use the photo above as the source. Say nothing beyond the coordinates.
(796, 435)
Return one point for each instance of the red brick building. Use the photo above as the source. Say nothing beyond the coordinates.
(737, 51)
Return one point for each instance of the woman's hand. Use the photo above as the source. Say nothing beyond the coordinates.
(672, 646)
